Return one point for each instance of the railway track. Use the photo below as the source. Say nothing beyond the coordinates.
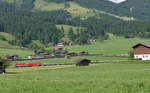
(73, 63)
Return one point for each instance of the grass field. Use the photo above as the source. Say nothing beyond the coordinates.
(21, 53)
(129, 77)
(115, 45)
(74, 59)
(6, 44)
(11, 48)
(45, 6)
(8, 37)
(74, 8)
(68, 27)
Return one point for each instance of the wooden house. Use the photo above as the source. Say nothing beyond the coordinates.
(142, 51)
(12, 57)
(39, 56)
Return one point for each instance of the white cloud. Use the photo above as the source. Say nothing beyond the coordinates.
(117, 1)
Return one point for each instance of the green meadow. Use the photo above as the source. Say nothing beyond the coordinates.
(45, 6)
(74, 59)
(127, 77)
(21, 53)
(115, 45)
(4, 40)
(68, 27)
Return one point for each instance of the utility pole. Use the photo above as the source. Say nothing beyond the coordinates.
(131, 13)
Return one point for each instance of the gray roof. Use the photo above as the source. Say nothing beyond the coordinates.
(147, 44)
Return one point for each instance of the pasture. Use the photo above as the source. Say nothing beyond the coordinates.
(73, 59)
(68, 27)
(4, 40)
(114, 45)
(45, 6)
(127, 77)
(21, 53)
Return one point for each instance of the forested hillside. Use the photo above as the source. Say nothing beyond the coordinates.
(19, 18)
(140, 8)
(27, 26)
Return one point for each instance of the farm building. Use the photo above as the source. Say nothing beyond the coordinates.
(83, 62)
(142, 51)
(64, 44)
(12, 57)
(36, 56)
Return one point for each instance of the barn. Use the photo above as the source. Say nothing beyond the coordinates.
(142, 51)
(12, 57)
(83, 62)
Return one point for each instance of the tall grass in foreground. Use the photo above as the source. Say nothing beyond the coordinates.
(102, 78)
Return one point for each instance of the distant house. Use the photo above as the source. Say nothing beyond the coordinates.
(12, 57)
(61, 44)
(142, 51)
(65, 44)
(59, 52)
(36, 57)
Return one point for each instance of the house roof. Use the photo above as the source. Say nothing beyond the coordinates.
(11, 55)
(81, 60)
(147, 44)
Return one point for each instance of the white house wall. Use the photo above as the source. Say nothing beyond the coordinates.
(142, 56)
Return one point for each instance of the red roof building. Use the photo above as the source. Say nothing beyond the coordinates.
(142, 51)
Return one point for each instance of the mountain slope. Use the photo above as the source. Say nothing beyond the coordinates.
(39, 20)
(140, 8)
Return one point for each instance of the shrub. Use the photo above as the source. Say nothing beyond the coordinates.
(3, 65)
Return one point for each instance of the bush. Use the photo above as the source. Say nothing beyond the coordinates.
(131, 55)
(3, 65)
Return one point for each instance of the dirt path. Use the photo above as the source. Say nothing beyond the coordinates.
(29, 69)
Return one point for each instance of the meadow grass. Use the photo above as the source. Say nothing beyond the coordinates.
(74, 8)
(11, 48)
(5, 43)
(127, 77)
(9, 1)
(21, 53)
(68, 27)
(114, 45)
(73, 59)
(7, 36)
(46, 6)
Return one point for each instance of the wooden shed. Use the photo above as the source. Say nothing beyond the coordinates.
(83, 62)
(12, 57)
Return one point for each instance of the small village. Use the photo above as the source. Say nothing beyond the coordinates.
(141, 51)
